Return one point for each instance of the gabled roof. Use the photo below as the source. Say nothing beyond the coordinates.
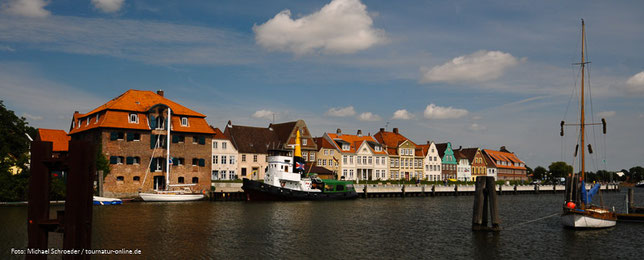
(248, 139)
(59, 138)
(509, 158)
(323, 143)
(469, 153)
(283, 130)
(391, 140)
(218, 134)
(422, 150)
(142, 101)
(441, 149)
(354, 142)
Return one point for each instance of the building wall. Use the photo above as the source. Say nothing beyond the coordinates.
(252, 166)
(464, 170)
(432, 164)
(449, 163)
(228, 169)
(127, 178)
(478, 165)
(325, 158)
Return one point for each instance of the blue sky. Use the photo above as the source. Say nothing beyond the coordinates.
(476, 73)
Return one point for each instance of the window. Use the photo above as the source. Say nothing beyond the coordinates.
(178, 161)
(331, 152)
(134, 118)
(202, 162)
(344, 172)
(319, 161)
(344, 159)
(243, 157)
(180, 180)
(195, 161)
(215, 159)
(378, 148)
(120, 178)
(351, 159)
(304, 141)
(223, 159)
(214, 144)
(79, 123)
(195, 179)
(243, 171)
(97, 116)
(232, 175)
(133, 137)
(117, 159)
(136, 178)
(184, 121)
(178, 139)
(116, 136)
(254, 157)
(305, 155)
(326, 152)
(87, 121)
(223, 145)
(232, 159)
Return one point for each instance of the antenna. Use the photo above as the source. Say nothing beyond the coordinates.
(386, 125)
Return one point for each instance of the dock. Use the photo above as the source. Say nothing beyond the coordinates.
(233, 191)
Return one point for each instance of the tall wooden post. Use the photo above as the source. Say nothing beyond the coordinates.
(78, 205)
(494, 205)
(477, 212)
(38, 198)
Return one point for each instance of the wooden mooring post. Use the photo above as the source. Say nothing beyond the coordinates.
(76, 221)
(485, 197)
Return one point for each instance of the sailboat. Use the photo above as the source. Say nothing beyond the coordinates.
(166, 194)
(577, 209)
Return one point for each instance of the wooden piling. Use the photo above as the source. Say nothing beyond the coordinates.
(477, 212)
(38, 198)
(494, 205)
(631, 197)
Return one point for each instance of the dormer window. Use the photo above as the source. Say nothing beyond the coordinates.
(134, 118)
(87, 122)
(378, 148)
(97, 116)
(184, 121)
(304, 141)
(79, 123)
(345, 147)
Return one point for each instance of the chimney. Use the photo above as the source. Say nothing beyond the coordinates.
(359, 132)
(229, 124)
(160, 92)
(460, 147)
(395, 130)
(339, 132)
(428, 142)
(502, 149)
(382, 129)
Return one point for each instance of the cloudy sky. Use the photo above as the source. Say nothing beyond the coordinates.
(476, 73)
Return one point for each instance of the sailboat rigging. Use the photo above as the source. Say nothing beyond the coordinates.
(577, 209)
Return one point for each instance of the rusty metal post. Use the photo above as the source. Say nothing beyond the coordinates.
(38, 198)
(78, 205)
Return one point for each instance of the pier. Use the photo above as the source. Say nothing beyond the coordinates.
(234, 192)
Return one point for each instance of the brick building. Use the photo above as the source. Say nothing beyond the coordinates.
(404, 163)
(131, 130)
(507, 164)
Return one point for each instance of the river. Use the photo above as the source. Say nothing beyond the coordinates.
(389, 228)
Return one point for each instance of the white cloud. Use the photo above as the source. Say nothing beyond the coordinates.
(28, 8)
(477, 127)
(108, 6)
(368, 116)
(402, 114)
(342, 26)
(266, 114)
(606, 114)
(341, 112)
(32, 117)
(636, 83)
(477, 67)
(436, 112)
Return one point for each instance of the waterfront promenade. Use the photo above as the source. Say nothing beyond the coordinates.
(233, 191)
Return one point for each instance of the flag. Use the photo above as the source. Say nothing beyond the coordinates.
(299, 166)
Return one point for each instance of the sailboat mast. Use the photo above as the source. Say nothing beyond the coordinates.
(167, 161)
(583, 119)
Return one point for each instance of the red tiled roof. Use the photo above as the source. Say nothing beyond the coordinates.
(59, 138)
(391, 140)
(323, 143)
(510, 158)
(354, 141)
(218, 134)
(115, 114)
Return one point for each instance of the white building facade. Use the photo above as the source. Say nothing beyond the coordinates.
(224, 158)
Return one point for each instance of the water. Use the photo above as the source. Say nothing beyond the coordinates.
(438, 227)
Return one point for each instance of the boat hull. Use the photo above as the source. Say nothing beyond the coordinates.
(577, 219)
(161, 197)
(106, 201)
(259, 191)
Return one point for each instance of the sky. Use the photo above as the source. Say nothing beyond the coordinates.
(475, 73)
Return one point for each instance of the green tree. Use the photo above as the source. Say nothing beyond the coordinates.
(637, 173)
(14, 151)
(558, 170)
(539, 173)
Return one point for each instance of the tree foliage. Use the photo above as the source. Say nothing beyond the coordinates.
(14, 151)
(539, 173)
(559, 170)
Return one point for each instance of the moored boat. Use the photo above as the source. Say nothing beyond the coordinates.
(577, 209)
(170, 196)
(286, 180)
(106, 201)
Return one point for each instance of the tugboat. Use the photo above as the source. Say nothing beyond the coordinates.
(286, 180)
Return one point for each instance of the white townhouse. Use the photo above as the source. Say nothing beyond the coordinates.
(431, 162)
(224, 157)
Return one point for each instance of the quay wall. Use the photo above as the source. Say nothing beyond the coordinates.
(233, 191)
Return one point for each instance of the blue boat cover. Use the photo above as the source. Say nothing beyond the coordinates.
(587, 196)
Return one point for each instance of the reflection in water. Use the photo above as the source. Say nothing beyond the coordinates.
(438, 227)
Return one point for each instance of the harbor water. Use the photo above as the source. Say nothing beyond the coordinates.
(418, 227)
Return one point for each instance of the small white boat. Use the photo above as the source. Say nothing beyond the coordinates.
(107, 201)
(589, 218)
(169, 196)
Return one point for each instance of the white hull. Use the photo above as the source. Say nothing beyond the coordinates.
(106, 201)
(170, 197)
(583, 221)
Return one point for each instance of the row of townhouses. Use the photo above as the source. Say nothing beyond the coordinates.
(132, 132)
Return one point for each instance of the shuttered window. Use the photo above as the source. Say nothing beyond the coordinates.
(202, 162)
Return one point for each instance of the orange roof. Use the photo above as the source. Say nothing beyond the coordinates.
(142, 101)
(115, 114)
(421, 149)
(391, 140)
(509, 158)
(59, 138)
(354, 141)
(218, 134)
